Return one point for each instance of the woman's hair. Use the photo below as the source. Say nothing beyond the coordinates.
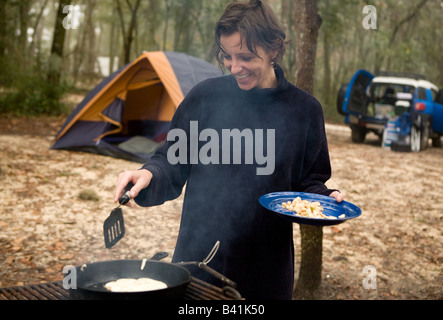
(257, 24)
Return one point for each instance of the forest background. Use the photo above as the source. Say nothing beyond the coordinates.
(41, 62)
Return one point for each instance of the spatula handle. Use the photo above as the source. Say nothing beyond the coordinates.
(124, 199)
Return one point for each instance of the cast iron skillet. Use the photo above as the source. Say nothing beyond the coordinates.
(92, 277)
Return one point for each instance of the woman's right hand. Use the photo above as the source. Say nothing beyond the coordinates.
(139, 178)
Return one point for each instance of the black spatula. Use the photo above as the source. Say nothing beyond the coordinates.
(114, 225)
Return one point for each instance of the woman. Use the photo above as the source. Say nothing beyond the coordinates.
(223, 188)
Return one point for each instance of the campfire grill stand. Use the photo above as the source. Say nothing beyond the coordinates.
(197, 290)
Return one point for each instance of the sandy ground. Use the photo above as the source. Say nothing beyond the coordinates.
(46, 226)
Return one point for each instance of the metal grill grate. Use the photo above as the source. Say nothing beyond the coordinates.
(197, 290)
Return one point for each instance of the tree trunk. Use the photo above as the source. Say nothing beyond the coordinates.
(55, 60)
(3, 30)
(111, 45)
(91, 54)
(309, 276)
(128, 35)
(184, 24)
(23, 12)
(288, 17)
(168, 5)
(327, 94)
(36, 34)
(307, 23)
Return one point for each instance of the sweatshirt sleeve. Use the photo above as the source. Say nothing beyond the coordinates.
(316, 164)
(169, 179)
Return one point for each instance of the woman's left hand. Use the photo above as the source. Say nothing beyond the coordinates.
(337, 195)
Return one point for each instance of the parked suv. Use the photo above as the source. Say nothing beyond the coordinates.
(407, 104)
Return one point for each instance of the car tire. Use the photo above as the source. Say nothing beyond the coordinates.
(415, 139)
(419, 135)
(424, 142)
(358, 134)
(436, 142)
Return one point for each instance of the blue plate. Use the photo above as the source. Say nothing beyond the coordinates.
(273, 202)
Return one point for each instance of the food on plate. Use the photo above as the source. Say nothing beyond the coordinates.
(305, 208)
(135, 285)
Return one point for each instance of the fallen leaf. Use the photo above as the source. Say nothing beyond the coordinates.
(66, 256)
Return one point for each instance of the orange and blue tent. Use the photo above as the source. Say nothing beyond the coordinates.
(128, 114)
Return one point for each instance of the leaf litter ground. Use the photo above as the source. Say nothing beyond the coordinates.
(54, 204)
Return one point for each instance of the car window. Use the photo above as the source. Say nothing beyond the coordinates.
(434, 94)
(439, 97)
(387, 92)
(421, 94)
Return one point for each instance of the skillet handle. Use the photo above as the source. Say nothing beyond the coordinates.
(159, 256)
(231, 292)
(217, 274)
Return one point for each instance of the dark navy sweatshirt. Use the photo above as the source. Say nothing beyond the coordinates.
(222, 182)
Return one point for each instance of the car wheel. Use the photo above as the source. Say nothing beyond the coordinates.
(419, 135)
(424, 136)
(358, 134)
(436, 142)
(415, 139)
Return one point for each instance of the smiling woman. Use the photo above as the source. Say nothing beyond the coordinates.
(250, 41)
(258, 27)
(249, 69)
(220, 130)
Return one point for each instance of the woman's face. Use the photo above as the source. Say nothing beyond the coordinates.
(249, 70)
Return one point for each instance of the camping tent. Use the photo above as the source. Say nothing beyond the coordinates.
(128, 114)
